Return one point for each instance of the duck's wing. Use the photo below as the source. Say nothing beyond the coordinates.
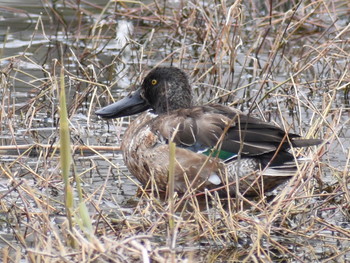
(224, 130)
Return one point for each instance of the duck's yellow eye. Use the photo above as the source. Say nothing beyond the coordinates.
(154, 82)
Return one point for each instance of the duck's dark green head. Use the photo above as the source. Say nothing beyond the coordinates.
(164, 89)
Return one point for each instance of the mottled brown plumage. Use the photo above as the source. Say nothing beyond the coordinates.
(215, 143)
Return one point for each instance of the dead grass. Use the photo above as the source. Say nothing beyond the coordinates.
(287, 63)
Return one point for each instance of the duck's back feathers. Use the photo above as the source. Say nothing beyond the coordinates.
(226, 129)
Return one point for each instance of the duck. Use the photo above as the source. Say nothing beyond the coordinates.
(217, 147)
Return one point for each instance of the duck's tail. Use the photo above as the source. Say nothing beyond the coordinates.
(306, 142)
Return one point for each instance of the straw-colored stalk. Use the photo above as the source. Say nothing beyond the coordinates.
(65, 154)
(66, 163)
(171, 182)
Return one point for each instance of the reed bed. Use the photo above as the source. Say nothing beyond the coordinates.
(285, 62)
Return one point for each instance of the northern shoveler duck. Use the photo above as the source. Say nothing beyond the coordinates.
(215, 144)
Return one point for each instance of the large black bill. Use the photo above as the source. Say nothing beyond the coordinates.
(130, 105)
